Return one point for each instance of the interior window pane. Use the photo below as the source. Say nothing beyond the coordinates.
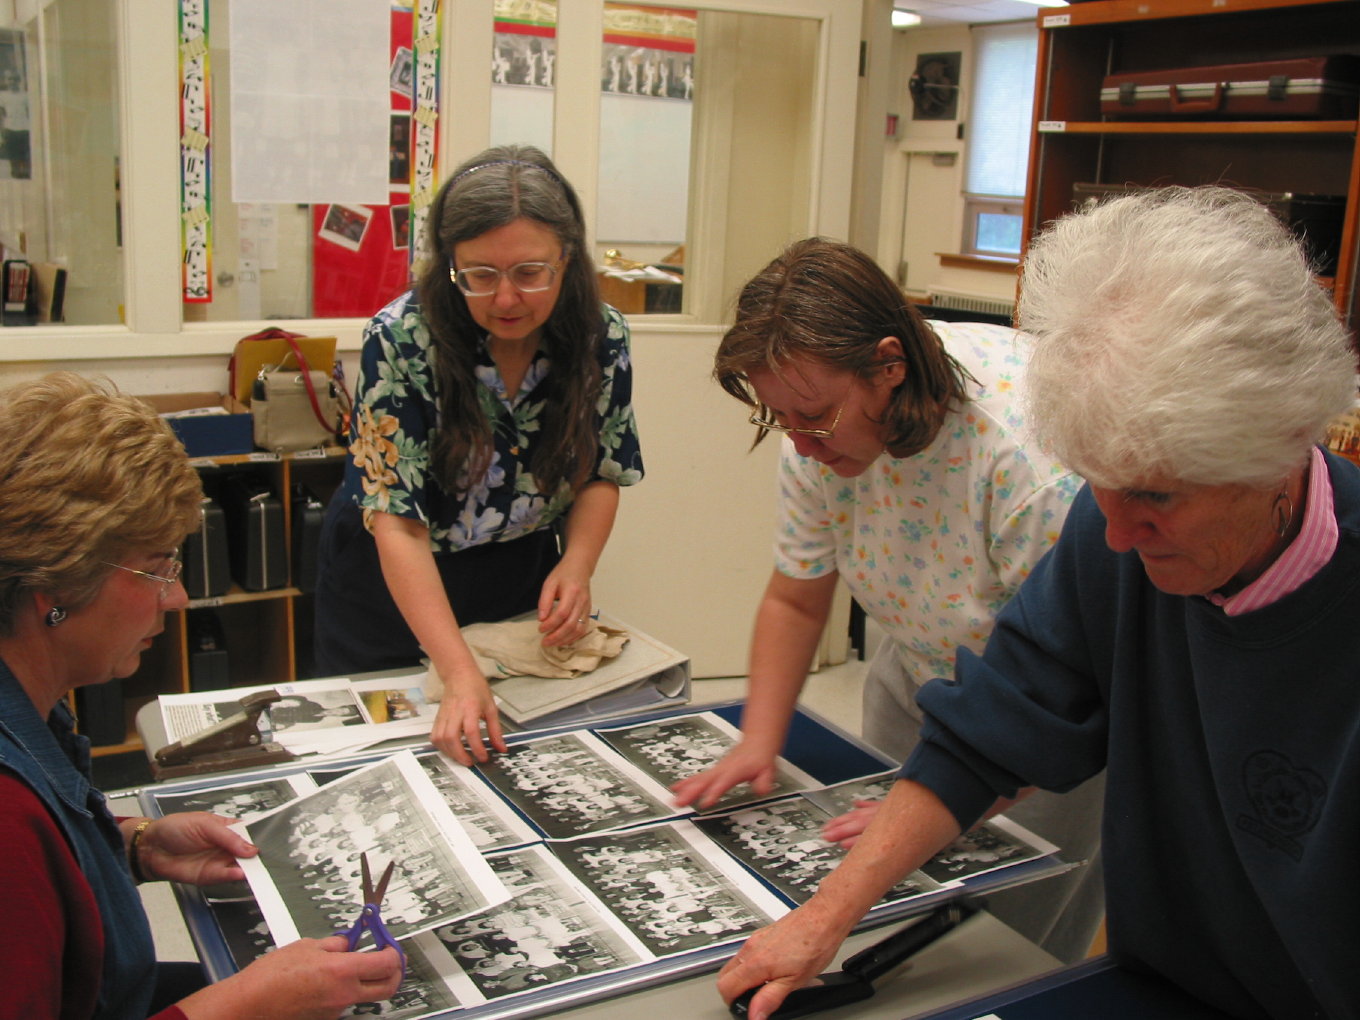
(646, 111)
(59, 162)
(524, 53)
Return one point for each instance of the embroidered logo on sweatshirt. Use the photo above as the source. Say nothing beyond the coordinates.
(1287, 801)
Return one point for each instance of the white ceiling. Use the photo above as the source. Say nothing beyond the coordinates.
(943, 12)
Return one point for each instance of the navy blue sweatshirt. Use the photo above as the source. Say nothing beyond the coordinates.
(1232, 816)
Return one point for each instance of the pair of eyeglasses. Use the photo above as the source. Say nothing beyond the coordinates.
(526, 277)
(774, 426)
(167, 580)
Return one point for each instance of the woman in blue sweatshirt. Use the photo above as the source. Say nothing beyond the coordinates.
(1192, 633)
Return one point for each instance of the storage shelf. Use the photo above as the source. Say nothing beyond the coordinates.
(1200, 127)
(1075, 141)
(237, 595)
(1120, 11)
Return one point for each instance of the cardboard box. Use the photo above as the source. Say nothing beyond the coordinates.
(207, 435)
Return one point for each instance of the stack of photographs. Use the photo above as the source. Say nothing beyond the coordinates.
(554, 872)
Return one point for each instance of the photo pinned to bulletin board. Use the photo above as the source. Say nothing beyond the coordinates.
(362, 256)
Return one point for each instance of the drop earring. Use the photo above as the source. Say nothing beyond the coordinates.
(54, 616)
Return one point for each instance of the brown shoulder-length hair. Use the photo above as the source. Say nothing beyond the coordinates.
(826, 301)
(494, 188)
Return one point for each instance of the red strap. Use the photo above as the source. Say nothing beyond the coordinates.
(307, 380)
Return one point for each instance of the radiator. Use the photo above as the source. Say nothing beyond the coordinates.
(965, 302)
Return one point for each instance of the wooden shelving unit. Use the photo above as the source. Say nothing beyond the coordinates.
(1073, 143)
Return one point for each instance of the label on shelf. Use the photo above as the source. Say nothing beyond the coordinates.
(314, 453)
(1057, 20)
(1051, 127)
(208, 603)
(259, 457)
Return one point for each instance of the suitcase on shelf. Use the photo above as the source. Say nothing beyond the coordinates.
(308, 513)
(208, 662)
(1321, 88)
(100, 713)
(255, 535)
(1316, 220)
(207, 569)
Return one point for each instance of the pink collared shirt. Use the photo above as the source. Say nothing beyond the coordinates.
(1302, 558)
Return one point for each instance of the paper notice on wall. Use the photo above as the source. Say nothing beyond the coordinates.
(309, 101)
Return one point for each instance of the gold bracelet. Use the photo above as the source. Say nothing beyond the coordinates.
(133, 862)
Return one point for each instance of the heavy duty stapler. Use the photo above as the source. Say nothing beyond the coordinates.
(233, 743)
(855, 980)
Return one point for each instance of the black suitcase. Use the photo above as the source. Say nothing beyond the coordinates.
(207, 568)
(308, 513)
(99, 713)
(208, 662)
(256, 540)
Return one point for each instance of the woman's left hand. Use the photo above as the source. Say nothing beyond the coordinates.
(564, 606)
(193, 846)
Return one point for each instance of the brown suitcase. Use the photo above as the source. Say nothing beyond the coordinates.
(1322, 88)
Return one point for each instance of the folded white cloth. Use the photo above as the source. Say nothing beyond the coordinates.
(515, 648)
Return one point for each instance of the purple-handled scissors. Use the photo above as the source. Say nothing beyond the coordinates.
(370, 918)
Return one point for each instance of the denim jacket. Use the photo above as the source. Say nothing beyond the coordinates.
(55, 763)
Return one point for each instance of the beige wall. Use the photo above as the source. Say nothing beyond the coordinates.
(921, 212)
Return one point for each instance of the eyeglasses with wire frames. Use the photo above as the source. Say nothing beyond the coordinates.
(774, 426)
(167, 580)
(525, 277)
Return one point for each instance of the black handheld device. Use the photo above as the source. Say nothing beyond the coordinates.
(855, 980)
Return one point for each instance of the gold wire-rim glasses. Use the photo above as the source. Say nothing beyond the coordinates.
(167, 580)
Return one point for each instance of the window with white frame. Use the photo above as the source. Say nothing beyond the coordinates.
(998, 137)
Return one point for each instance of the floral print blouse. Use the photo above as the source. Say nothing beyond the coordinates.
(396, 410)
(932, 546)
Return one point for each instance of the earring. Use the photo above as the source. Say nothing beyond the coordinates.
(54, 616)
(1284, 515)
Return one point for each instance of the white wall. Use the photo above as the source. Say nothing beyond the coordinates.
(921, 213)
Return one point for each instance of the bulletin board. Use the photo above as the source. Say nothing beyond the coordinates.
(711, 879)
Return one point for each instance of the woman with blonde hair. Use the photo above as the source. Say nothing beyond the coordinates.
(96, 495)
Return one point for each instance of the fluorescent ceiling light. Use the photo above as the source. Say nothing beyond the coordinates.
(1046, 3)
(904, 19)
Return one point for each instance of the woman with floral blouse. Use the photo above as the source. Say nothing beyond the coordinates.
(492, 428)
(905, 474)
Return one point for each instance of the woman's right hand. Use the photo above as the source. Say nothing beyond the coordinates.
(745, 763)
(311, 979)
(467, 704)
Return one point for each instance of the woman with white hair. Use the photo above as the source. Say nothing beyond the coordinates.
(1192, 632)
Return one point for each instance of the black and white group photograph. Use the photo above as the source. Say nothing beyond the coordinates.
(994, 844)
(573, 783)
(550, 931)
(490, 823)
(673, 887)
(842, 797)
(239, 802)
(307, 875)
(671, 749)
(782, 842)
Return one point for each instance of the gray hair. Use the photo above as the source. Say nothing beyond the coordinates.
(1180, 333)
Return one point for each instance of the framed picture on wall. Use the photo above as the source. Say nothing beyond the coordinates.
(934, 86)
